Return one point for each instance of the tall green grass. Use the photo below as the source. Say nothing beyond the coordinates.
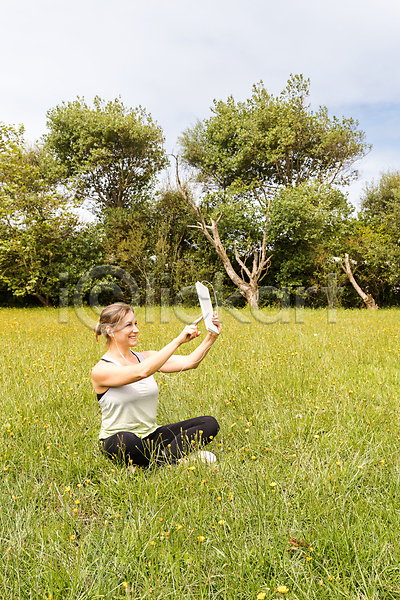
(302, 503)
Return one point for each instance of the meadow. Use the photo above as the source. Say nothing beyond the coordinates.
(303, 502)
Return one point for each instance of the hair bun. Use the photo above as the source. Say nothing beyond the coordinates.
(98, 330)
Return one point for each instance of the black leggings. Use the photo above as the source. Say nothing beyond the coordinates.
(167, 443)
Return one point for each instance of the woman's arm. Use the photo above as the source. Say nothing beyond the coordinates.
(176, 364)
(105, 375)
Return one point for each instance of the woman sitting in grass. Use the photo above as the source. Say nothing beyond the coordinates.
(128, 393)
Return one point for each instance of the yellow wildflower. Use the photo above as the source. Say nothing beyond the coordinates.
(282, 589)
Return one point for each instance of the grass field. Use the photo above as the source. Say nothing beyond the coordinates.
(303, 501)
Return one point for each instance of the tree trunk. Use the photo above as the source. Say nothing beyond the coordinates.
(43, 299)
(249, 289)
(368, 299)
(252, 297)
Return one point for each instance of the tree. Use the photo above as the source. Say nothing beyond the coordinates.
(249, 277)
(380, 203)
(307, 226)
(109, 153)
(245, 152)
(179, 248)
(40, 235)
(156, 245)
(127, 241)
(374, 245)
(270, 141)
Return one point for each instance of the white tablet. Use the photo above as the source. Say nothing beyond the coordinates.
(206, 306)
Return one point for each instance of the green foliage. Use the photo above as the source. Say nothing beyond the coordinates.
(246, 152)
(306, 230)
(374, 241)
(40, 235)
(156, 245)
(10, 137)
(380, 204)
(266, 165)
(267, 142)
(180, 248)
(111, 153)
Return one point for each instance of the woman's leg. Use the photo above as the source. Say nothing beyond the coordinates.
(127, 447)
(167, 443)
(178, 439)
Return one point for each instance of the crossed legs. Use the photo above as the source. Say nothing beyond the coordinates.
(167, 443)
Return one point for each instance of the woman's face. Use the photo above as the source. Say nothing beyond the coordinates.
(127, 331)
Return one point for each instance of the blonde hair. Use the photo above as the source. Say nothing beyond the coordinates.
(110, 317)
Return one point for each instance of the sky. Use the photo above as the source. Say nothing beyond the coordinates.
(174, 57)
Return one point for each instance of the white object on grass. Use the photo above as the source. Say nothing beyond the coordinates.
(206, 456)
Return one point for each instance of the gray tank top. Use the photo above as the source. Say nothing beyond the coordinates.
(131, 407)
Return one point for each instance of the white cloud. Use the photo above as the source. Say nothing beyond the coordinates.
(174, 57)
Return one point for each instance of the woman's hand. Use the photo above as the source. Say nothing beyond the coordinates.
(190, 332)
(177, 364)
(217, 324)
